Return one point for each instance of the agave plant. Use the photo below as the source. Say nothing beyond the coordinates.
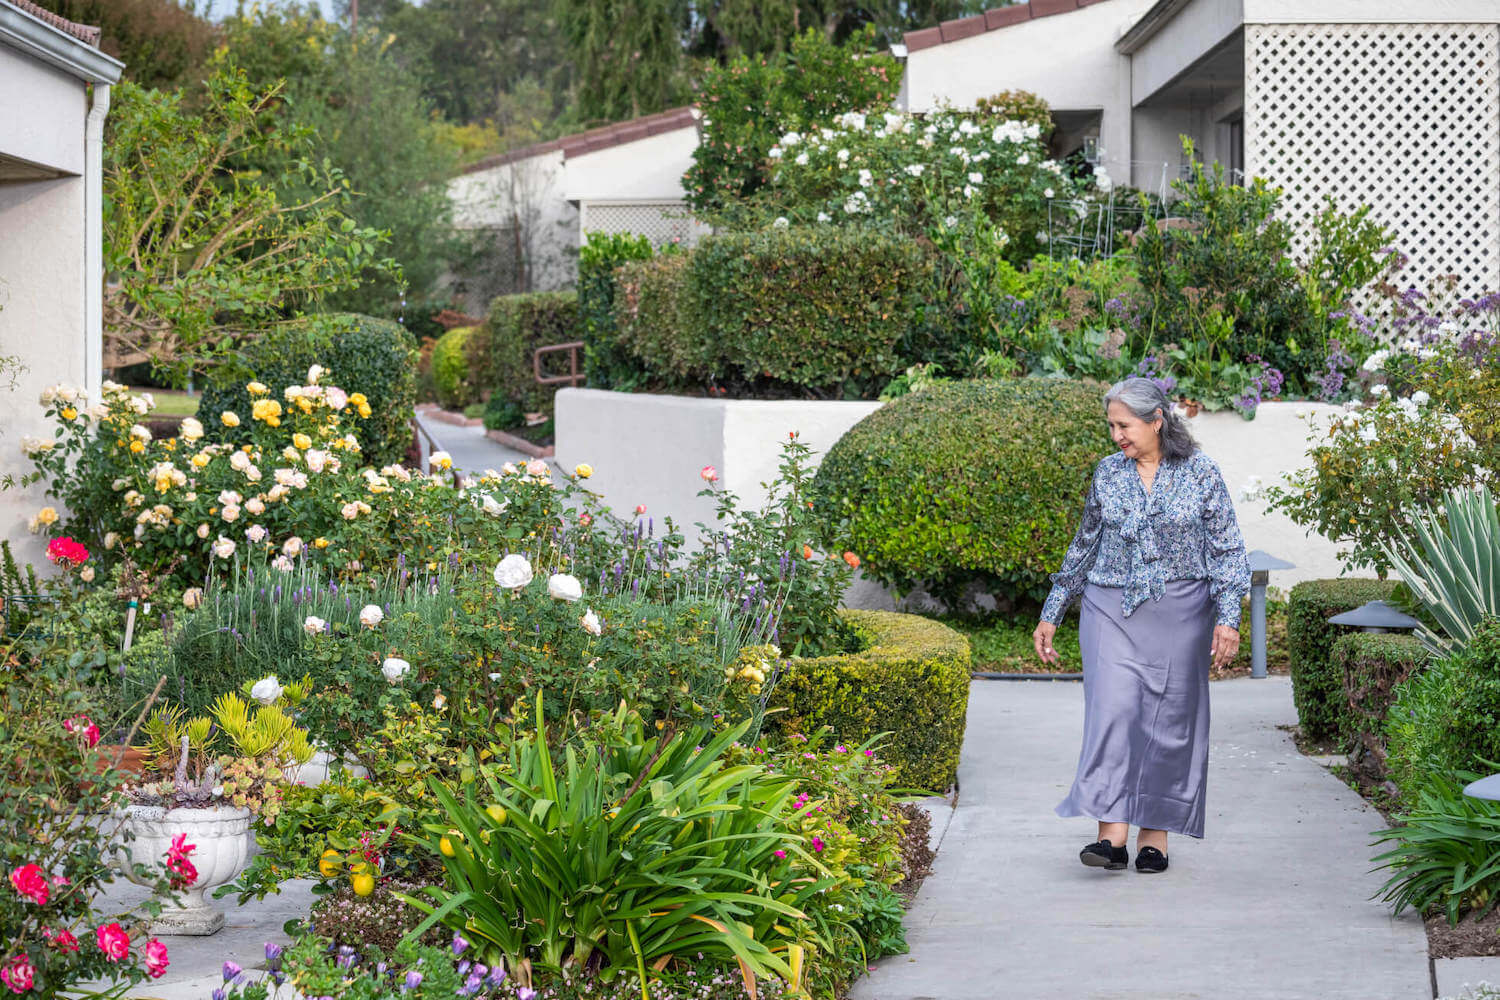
(631, 852)
(1452, 565)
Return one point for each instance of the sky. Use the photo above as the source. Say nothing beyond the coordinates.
(218, 9)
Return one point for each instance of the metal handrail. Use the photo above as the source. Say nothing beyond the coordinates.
(574, 377)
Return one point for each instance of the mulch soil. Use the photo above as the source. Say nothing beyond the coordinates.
(1469, 937)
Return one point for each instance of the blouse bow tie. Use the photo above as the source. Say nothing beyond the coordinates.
(1136, 529)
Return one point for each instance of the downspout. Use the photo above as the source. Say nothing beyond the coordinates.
(93, 241)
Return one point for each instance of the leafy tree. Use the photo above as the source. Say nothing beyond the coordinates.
(629, 56)
(363, 112)
(196, 250)
(163, 43)
(748, 104)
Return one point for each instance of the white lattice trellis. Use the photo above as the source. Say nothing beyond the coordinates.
(661, 222)
(1403, 117)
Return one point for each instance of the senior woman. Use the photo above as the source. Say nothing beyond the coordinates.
(1160, 566)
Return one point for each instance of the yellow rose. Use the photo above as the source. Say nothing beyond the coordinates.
(302, 441)
(137, 445)
(200, 460)
(265, 409)
(304, 404)
(358, 398)
(68, 413)
(320, 543)
(47, 515)
(229, 418)
(583, 470)
(364, 409)
(256, 388)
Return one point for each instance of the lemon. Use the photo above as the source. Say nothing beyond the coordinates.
(363, 882)
(496, 813)
(328, 864)
(446, 846)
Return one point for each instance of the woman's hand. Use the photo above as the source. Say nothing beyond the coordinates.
(1226, 645)
(1041, 641)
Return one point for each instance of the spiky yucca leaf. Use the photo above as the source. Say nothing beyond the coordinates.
(1452, 565)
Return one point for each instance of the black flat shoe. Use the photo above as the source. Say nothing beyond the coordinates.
(1103, 854)
(1150, 861)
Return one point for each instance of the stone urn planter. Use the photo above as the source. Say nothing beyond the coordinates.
(221, 837)
(315, 771)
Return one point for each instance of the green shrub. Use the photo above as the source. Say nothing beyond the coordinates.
(1372, 664)
(1446, 718)
(606, 364)
(1317, 683)
(500, 351)
(501, 414)
(450, 369)
(1446, 856)
(361, 353)
(911, 680)
(652, 330)
(968, 482)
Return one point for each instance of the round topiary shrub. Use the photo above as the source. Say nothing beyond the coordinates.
(450, 369)
(976, 482)
(361, 353)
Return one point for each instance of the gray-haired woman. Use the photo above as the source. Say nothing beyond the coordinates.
(1161, 568)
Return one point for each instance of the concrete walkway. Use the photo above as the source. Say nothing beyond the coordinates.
(471, 451)
(1272, 904)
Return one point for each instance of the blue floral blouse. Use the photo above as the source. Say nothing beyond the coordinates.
(1184, 528)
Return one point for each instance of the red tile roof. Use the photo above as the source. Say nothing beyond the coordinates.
(82, 32)
(596, 139)
(998, 17)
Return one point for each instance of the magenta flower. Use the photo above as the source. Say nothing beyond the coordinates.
(31, 883)
(817, 843)
(780, 854)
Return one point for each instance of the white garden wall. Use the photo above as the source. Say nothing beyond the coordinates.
(650, 449)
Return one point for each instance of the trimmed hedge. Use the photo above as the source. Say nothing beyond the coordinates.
(362, 354)
(1317, 683)
(974, 482)
(450, 369)
(1372, 665)
(801, 312)
(607, 364)
(499, 352)
(912, 680)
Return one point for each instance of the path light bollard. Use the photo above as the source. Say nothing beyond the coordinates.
(1376, 616)
(1261, 564)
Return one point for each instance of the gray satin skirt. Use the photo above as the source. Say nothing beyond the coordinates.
(1145, 709)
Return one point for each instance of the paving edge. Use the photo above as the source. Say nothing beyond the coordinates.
(449, 416)
(520, 444)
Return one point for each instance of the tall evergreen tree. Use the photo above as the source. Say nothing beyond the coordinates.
(628, 55)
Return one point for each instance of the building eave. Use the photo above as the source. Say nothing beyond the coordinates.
(27, 33)
(1148, 24)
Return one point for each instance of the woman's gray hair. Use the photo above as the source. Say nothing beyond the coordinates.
(1145, 399)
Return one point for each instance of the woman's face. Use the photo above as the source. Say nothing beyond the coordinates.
(1132, 435)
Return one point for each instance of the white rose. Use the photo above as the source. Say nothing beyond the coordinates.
(513, 572)
(349, 511)
(203, 531)
(316, 461)
(255, 506)
(493, 507)
(252, 473)
(239, 461)
(1047, 193)
(1380, 390)
(255, 534)
(291, 547)
(1420, 397)
(191, 429)
(394, 668)
(87, 574)
(230, 513)
(282, 563)
(371, 615)
(590, 623)
(564, 587)
(224, 547)
(192, 597)
(266, 690)
(314, 373)
(111, 539)
(312, 625)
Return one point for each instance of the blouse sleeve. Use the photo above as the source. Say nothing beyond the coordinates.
(1068, 582)
(1223, 550)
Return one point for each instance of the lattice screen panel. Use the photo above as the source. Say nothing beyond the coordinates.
(659, 221)
(1403, 117)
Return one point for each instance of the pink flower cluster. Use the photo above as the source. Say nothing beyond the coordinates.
(19, 975)
(84, 725)
(29, 881)
(183, 872)
(67, 552)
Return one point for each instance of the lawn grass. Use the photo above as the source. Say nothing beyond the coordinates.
(171, 403)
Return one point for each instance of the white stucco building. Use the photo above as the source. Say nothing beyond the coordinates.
(1390, 103)
(534, 205)
(54, 95)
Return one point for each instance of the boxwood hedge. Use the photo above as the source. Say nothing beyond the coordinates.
(977, 482)
(499, 352)
(911, 680)
(1372, 665)
(362, 354)
(450, 369)
(1317, 682)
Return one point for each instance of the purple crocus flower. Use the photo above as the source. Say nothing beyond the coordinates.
(497, 976)
(231, 971)
(525, 993)
(413, 980)
(273, 955)
(218, 994)
(463, 967)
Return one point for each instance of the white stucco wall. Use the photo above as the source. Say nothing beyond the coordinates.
(648, 169)
(532, 188)
(41, 322)
(35, 99)
(650, 449)
(1067, 59)
(1197, 28)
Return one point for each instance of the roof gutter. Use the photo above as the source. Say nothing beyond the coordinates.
(42, 41)
(1139, 33)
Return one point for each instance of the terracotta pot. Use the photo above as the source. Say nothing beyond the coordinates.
(132, 761)
(221, 838)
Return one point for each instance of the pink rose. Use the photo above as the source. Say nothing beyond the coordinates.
(17, 973)
(31, 883)
(113, 941)
(640, 509)
(63, 941)
(156, 959)
(336, 397)
(709, 474)
(83, 724)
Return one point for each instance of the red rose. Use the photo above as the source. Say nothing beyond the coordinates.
(67, 552)
(17, 973)
(113, 941)
(156, 958)
(31, 883)
(63, 941)
(83, 724)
